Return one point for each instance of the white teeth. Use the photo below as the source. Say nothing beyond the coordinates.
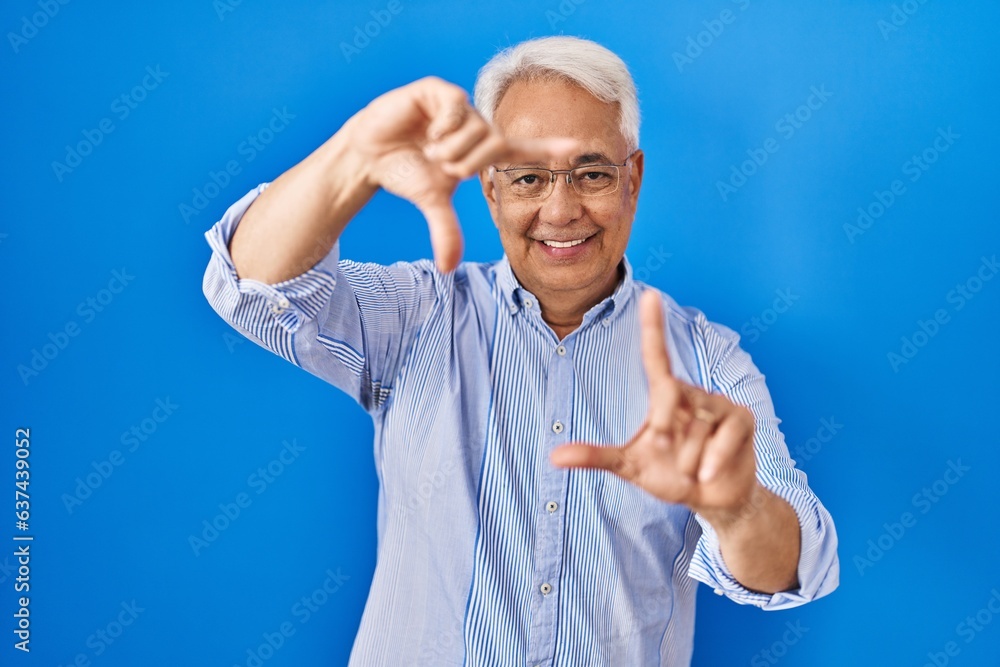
(567, 244)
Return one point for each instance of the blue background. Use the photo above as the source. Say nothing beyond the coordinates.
(890, 91)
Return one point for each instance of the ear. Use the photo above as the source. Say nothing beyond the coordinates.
(490, 194)
(635, 177)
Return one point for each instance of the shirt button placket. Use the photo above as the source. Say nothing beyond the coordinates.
(550, 520)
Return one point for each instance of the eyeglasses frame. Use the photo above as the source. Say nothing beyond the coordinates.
(569, 180)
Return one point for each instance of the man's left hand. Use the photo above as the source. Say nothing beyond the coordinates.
(695, 448)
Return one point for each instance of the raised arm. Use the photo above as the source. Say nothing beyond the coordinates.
(276, 274)
(417, 141)
(767, 540)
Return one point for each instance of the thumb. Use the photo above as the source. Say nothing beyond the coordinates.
(446, 235)
(584, 455)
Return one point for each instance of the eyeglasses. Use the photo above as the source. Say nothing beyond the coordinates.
(592, 180)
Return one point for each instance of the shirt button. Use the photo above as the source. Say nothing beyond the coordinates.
(551, 506)
(718, 591)
(528, 303)
(276, 309)
(283, 302)
(513, 308)
(545, 589)
(561, 351)
(557, 427)
(606, 321)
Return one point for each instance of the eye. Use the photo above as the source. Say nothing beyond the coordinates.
(527, 179)
(594, 176)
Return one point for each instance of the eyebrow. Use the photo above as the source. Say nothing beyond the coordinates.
(579, 160)
(591, 158)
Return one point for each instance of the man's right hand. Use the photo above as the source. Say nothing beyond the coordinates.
(419, 141)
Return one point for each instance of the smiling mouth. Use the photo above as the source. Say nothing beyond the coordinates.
(564, 244)
(560, 244)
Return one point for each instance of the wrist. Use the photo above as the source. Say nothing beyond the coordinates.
(346, 166)
(729, 519)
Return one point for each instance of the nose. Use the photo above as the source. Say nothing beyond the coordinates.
(563, 204)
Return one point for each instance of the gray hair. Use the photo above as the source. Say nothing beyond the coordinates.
(587, 64)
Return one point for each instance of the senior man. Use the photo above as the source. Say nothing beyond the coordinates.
(562, 451)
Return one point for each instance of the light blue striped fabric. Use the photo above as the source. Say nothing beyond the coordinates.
(488, 556)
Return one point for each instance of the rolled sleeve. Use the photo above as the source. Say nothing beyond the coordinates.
(288, 303)
(349, 323)
(735, 376)
(818, 571)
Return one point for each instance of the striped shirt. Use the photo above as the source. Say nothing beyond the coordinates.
(489, 556)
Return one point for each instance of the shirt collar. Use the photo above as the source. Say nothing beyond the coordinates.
(513, 295)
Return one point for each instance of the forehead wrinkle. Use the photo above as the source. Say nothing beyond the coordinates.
(583, 159)
(532, 109)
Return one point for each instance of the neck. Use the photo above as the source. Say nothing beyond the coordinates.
(563, 311)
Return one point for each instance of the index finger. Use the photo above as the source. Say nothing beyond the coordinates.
(654, 341)
(664, 391)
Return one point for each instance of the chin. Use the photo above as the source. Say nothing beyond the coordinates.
(568, 277)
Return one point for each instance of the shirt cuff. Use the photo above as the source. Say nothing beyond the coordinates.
(819, 566)
(291, 302)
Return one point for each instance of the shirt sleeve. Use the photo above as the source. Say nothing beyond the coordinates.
(735, 376)
(348, 323)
